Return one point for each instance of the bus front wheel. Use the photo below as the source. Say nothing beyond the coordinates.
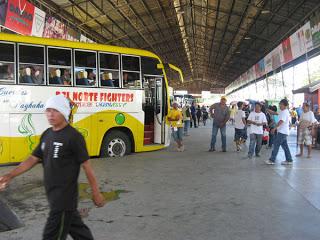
(116, 144)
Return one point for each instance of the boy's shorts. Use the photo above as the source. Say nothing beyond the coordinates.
(305, 136)
(239, 134)
(177, 135)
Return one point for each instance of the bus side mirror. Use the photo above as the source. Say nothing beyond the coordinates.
(160, 66)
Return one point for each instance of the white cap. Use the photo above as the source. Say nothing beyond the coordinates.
(61, 104)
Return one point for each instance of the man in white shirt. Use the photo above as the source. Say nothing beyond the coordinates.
(240, 123)
(282, 128)
(306, 121)
(256, 119)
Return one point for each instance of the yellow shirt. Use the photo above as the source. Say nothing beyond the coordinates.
(175, 114)
(294, 113)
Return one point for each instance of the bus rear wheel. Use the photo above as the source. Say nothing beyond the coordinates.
(115, 144)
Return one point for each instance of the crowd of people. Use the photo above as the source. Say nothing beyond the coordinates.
(259, 122)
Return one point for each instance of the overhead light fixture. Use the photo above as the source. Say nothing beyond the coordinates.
(238, 52)
(265, 11)
(247, 38)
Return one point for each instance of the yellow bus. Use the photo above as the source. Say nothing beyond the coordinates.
(121, 95)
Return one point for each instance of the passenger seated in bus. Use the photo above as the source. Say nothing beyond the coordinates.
(66, 77)
(26, 76)
(129, 81)
(6, 72)
(91, 78)
(36, 76)
(82, 78)
(55, 77)
(106, 80)
(125, 79)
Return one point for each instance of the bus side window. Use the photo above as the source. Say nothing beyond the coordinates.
(131, 79)
(149, 66)
(131, 73)
(7, 72)
(85, 68)
(59, 66)
(109, 70)
(31, 64)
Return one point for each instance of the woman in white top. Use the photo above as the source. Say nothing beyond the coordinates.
(306, 121)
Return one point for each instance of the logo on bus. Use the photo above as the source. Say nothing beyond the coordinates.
(98, 97)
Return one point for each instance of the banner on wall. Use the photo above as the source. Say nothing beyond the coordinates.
(280, 50)
(54, 29)
(19, 17)
(73, 35)
(39, 19)
(90, 41)
(298, 43)
(315, 29)
(276, 58)
(302, 41)
(83, 38)
(260, 68)
(3, 11)
(268, 63)
(286, 49)
(307, 36)
(243, 78)
(251, 74)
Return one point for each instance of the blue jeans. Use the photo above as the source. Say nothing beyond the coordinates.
(177, 135)
(255, 144)
(280, 140)
(223, 130)
(186, 126)
(271, 139)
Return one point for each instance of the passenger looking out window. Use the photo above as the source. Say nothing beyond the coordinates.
(31, 64)
(106, 79)
(85, 68)
(59, 66)
(91, 77)
(31, 75)
(66, 77)
(82, 78)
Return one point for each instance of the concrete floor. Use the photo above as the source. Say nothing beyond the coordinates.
(194, 195)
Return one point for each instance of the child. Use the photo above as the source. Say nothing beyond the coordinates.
(240, 123)
(62, 150)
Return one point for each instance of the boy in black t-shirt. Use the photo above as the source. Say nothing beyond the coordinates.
(62, 150)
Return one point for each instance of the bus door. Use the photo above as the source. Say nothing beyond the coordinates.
(153, 108)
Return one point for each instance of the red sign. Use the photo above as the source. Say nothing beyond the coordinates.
(287, 53)
(20, 16)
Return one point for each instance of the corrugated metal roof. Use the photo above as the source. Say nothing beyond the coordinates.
(213, 41)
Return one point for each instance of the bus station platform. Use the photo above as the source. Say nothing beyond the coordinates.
(190, 195)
